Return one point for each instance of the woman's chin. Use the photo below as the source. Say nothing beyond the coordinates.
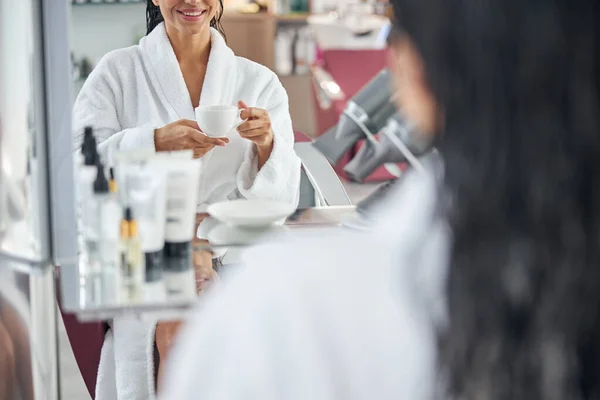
(193, 28)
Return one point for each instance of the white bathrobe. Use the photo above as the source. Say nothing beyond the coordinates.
(134, 91)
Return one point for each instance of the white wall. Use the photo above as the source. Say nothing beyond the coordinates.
(98, 28)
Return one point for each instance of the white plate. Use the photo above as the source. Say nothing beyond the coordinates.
(227, 235)
(251, 213)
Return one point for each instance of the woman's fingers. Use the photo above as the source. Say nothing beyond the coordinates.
(199, 153)
(254, 124)
(203, 269)
(201, 139)
(253, 113)
(254, 133)
(199, 218)
(190, 123)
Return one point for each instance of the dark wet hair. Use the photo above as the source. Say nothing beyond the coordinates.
(519, 83)
(154, 17)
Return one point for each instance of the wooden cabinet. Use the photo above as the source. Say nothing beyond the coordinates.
(301, 102)
(253, 36)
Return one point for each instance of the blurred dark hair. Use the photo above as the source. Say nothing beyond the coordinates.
(154, 17)
(518, 81)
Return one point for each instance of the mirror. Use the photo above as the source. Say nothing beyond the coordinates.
(136, 97)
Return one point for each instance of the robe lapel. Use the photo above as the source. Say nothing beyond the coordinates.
(159, 53)
(219, 82)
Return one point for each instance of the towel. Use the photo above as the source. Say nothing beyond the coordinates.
(138, 89)
(124, 372)
(106, 385)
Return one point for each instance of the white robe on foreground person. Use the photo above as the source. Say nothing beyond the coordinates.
(344, 316)
(135, 90)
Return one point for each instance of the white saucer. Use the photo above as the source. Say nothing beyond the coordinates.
(227, 235)
(251, 213)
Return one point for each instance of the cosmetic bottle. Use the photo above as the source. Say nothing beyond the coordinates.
(86, 174)
(143, 186)
(146, 184)
(112, 183)
(131, 275)
(182, 188)
(90, 265)
(88, 142)
(107, 213)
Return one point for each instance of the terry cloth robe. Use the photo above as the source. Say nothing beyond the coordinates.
(134, 91)
(343, 315)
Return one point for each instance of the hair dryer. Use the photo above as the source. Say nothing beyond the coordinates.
(397, 143)
(365, 114)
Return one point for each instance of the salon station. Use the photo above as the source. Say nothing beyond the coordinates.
(148, 147)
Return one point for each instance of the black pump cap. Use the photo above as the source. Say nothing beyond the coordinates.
(88, 132)
(111, 171)
(128, 215)
(91, 156)
(88, 148)
(88, 140)
(100, 184)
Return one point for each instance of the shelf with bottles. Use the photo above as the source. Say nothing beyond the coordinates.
(300, 18)
(138, 235)
(165, 311)
(295, 50)
(136, 225)
(164, 299)
(157, 293)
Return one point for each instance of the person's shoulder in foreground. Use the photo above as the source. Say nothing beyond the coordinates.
(332, 317)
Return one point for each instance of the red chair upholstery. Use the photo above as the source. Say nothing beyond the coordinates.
(351, 69)
(300, 137)
(86, 341)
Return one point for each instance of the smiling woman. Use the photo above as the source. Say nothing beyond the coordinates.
(154, 15)
(144, 97)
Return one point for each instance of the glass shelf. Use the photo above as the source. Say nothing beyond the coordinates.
(221, 238)
(167, 311)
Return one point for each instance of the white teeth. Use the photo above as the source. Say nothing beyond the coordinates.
(195, 14)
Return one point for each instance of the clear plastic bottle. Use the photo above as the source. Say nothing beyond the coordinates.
(89, 265)
(108, 213)
(132, 265)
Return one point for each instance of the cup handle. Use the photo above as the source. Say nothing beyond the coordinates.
(239, 117)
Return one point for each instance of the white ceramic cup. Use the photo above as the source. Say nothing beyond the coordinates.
(218, 121)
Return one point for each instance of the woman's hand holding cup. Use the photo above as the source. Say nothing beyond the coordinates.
(257, 127)
(186, 135)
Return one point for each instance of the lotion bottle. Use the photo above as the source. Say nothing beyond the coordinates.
(108, 213)
(131, 275)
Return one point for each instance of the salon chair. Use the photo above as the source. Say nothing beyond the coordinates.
(319, 186)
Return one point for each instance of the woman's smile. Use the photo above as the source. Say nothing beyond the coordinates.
(192, 15)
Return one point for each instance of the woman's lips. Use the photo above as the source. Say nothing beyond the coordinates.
(192, 15)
